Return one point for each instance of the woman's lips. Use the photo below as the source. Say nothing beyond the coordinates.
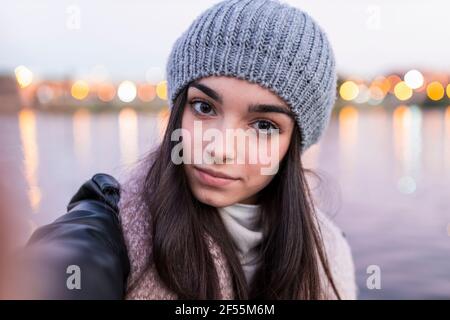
(210, 178)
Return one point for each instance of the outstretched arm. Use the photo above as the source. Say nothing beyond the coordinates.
(82, 255)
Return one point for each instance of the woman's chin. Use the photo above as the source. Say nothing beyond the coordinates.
(214, 199)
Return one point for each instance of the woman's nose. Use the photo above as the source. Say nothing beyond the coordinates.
(220, 152)
(222, 148)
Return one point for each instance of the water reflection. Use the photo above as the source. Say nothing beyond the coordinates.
(447, 141)
(348, 139)
(433, 128)
(407, 135)
(163, 119)
(128, 131)
(27, 128)
(82, 136)
(392, 167)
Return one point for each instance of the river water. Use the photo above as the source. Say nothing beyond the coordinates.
(386, 181)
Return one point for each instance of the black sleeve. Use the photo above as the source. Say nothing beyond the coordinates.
(82, 255)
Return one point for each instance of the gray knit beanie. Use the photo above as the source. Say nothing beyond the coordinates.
(263, 41)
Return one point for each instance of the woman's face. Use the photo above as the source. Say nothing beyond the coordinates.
(234, 131)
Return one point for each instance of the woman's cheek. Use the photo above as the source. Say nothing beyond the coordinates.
(192, 138)
(256, 181)
(267, 153)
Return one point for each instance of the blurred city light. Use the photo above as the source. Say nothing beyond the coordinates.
(402, 91)
(127, 91)
(24, 76)
(146, 92)
(161, 90)
(414, 79)
(106, 92)
(349, 90)
(435, 90)
(80, 90)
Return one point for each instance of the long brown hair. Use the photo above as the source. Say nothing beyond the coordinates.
(292, 248)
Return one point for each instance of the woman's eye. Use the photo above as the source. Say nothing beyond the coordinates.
(202, 108)
(265, 127)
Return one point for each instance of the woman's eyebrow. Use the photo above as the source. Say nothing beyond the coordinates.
(270, 108)
(254, 108)
(208, 91)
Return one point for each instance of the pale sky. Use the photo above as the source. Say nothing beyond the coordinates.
(127, 38)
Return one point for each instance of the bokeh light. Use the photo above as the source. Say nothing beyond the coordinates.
(80, 90)
(414, 79)
(161, 90)
(382, 83)
(45, 94)
(435, 90)
(127, 91)
(146, 92)
(349, 90)
(106, 92)
(402, 91)
(363, 94)
(393, 80)
(24, 76)
(376, 94)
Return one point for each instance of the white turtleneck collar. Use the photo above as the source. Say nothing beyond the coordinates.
(241, 220)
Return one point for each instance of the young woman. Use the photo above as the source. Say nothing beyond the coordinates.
(220, 228)
(238, 221)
